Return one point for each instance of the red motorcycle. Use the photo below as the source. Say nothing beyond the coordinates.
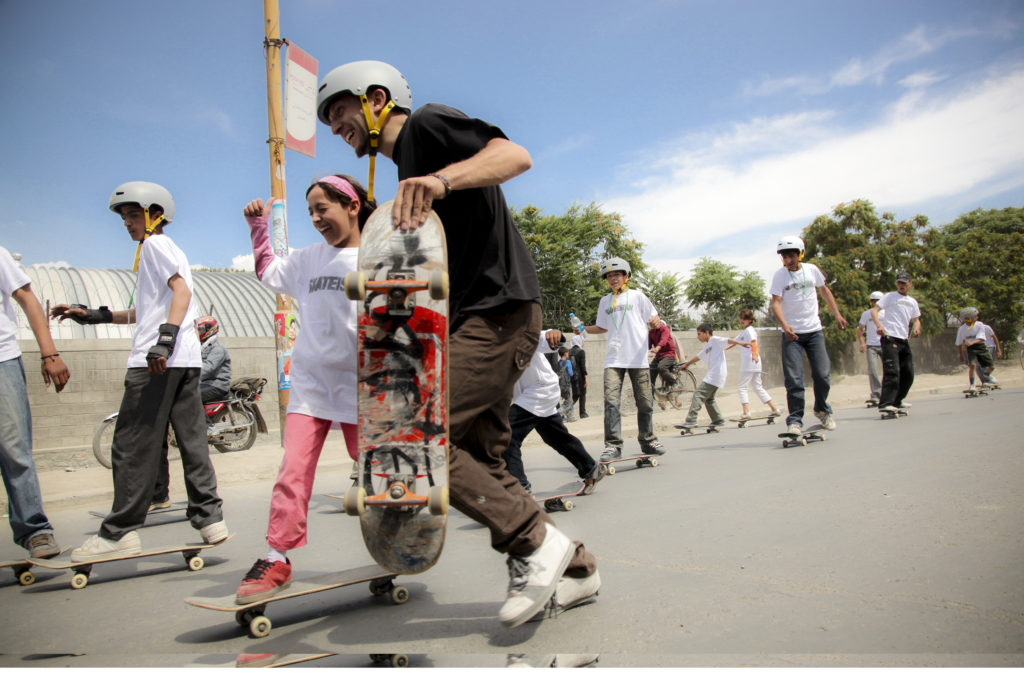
(236, 422)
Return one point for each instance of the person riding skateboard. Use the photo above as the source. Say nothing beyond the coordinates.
(902, 321)
(455, 165)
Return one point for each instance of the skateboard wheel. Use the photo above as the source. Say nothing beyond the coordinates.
(803, 442)
(260, 627)
(437, 500)
(438, 284)
(568, 505)
(355, 501)
(823, 437)
(79, 581)
(195, 563)
(355, 285)
(26, 578)
(611, 470)
(654, 462)
(399, 594)
(399, 661)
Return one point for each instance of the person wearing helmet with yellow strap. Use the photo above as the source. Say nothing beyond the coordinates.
(455, 165)
(870, 344)
(161, 382)
(970, 343)
(794, 289)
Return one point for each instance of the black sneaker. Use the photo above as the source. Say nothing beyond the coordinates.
(652, 448)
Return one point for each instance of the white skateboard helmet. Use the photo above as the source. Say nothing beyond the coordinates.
(146, 195)
(788, 243)
(969, 313)
(357, 78)
(875, 296)
(614, 264)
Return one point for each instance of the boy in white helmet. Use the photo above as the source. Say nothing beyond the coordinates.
(795, 288)
(902, 321)
(161, 383)
(455, 165)
(867, 337)
(970, 343)
(995, 350)
(626, 314)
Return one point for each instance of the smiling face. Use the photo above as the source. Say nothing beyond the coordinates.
(348, 122)
(616, 279)
(791, 259)
(134, 217)
(339, 224)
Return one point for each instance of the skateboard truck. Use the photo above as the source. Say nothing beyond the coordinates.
(397, 494)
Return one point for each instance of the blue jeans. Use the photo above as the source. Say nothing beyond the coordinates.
(641, 381)
(25, 502)
(813, 344)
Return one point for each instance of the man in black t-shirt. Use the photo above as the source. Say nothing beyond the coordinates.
(454, 165)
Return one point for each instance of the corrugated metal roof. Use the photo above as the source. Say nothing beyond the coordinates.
(242, 306)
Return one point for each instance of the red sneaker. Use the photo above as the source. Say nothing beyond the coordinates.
(264, 580)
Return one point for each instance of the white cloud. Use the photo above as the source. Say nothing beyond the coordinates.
(52, 264)
(244, 262)
(921, 79)
(787, 169)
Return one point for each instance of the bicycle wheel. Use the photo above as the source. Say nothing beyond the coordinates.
(679, 395)
(103, 438)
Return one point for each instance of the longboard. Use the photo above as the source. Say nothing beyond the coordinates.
(251, 615)
(690, 431)
(80, 578)
(554, 502)
(971, 393)
(802, 439)
(401, 493)
(744, 420)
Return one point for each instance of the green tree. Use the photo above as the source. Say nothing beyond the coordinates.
(568, 251)
(978, 260)
(721, 291)
(665, 292)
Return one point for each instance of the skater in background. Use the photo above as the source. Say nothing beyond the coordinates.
(871, 345)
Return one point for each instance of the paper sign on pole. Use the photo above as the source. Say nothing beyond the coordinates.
(300, 83)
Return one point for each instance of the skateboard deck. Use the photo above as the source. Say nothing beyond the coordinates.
(80, 578)
(691, 431)
(808, 435)
(251, 615)
(179, 506)
(744, 420)
(22, 568)
(401, 494)
(641, 461)
(554, 502)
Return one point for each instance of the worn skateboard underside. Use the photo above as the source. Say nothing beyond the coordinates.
(403, 393)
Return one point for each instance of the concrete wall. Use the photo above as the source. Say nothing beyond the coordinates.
(65, 421)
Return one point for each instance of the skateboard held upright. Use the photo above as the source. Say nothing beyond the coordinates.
(401, 494)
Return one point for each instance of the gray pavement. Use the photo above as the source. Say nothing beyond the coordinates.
(894, 543)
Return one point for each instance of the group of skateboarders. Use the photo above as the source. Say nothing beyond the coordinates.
(452, 164)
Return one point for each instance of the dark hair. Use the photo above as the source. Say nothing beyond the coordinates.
(366, 206)
(705, 327)
(746, 314)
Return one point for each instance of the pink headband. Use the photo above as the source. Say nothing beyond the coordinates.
(341, 185)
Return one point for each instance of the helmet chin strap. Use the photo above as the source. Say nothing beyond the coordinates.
(150, 227)
(375, 125)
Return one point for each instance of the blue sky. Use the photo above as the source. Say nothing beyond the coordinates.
(713, 127)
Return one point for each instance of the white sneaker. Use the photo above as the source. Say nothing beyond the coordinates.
(775, 413)
(905, 404)
(99, 548)
(214, 533)
(794, 429)
(533, 578)
(826, 419)
(570, 593)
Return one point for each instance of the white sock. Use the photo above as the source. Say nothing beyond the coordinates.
(276, 556)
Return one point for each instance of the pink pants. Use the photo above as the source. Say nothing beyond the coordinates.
(304, 438)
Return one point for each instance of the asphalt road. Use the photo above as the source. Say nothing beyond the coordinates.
(894, 543)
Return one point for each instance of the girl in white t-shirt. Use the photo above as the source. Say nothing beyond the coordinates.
(750, 368)
(323, 362)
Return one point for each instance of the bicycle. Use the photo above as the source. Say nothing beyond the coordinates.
(674, 395)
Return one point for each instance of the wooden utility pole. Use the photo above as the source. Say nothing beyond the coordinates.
(284, 316)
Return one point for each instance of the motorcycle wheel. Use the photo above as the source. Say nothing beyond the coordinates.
(102, 439)
(239, 441)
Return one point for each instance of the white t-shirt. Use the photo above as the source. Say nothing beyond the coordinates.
(990, 336)
(713, 354)
(12, 278)
(537, 390)
(324, 362)
(899, 311)
(627, 328)
(160, 260)
(799, 296)
(870, 331)
(968, 334)
(747, 364)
